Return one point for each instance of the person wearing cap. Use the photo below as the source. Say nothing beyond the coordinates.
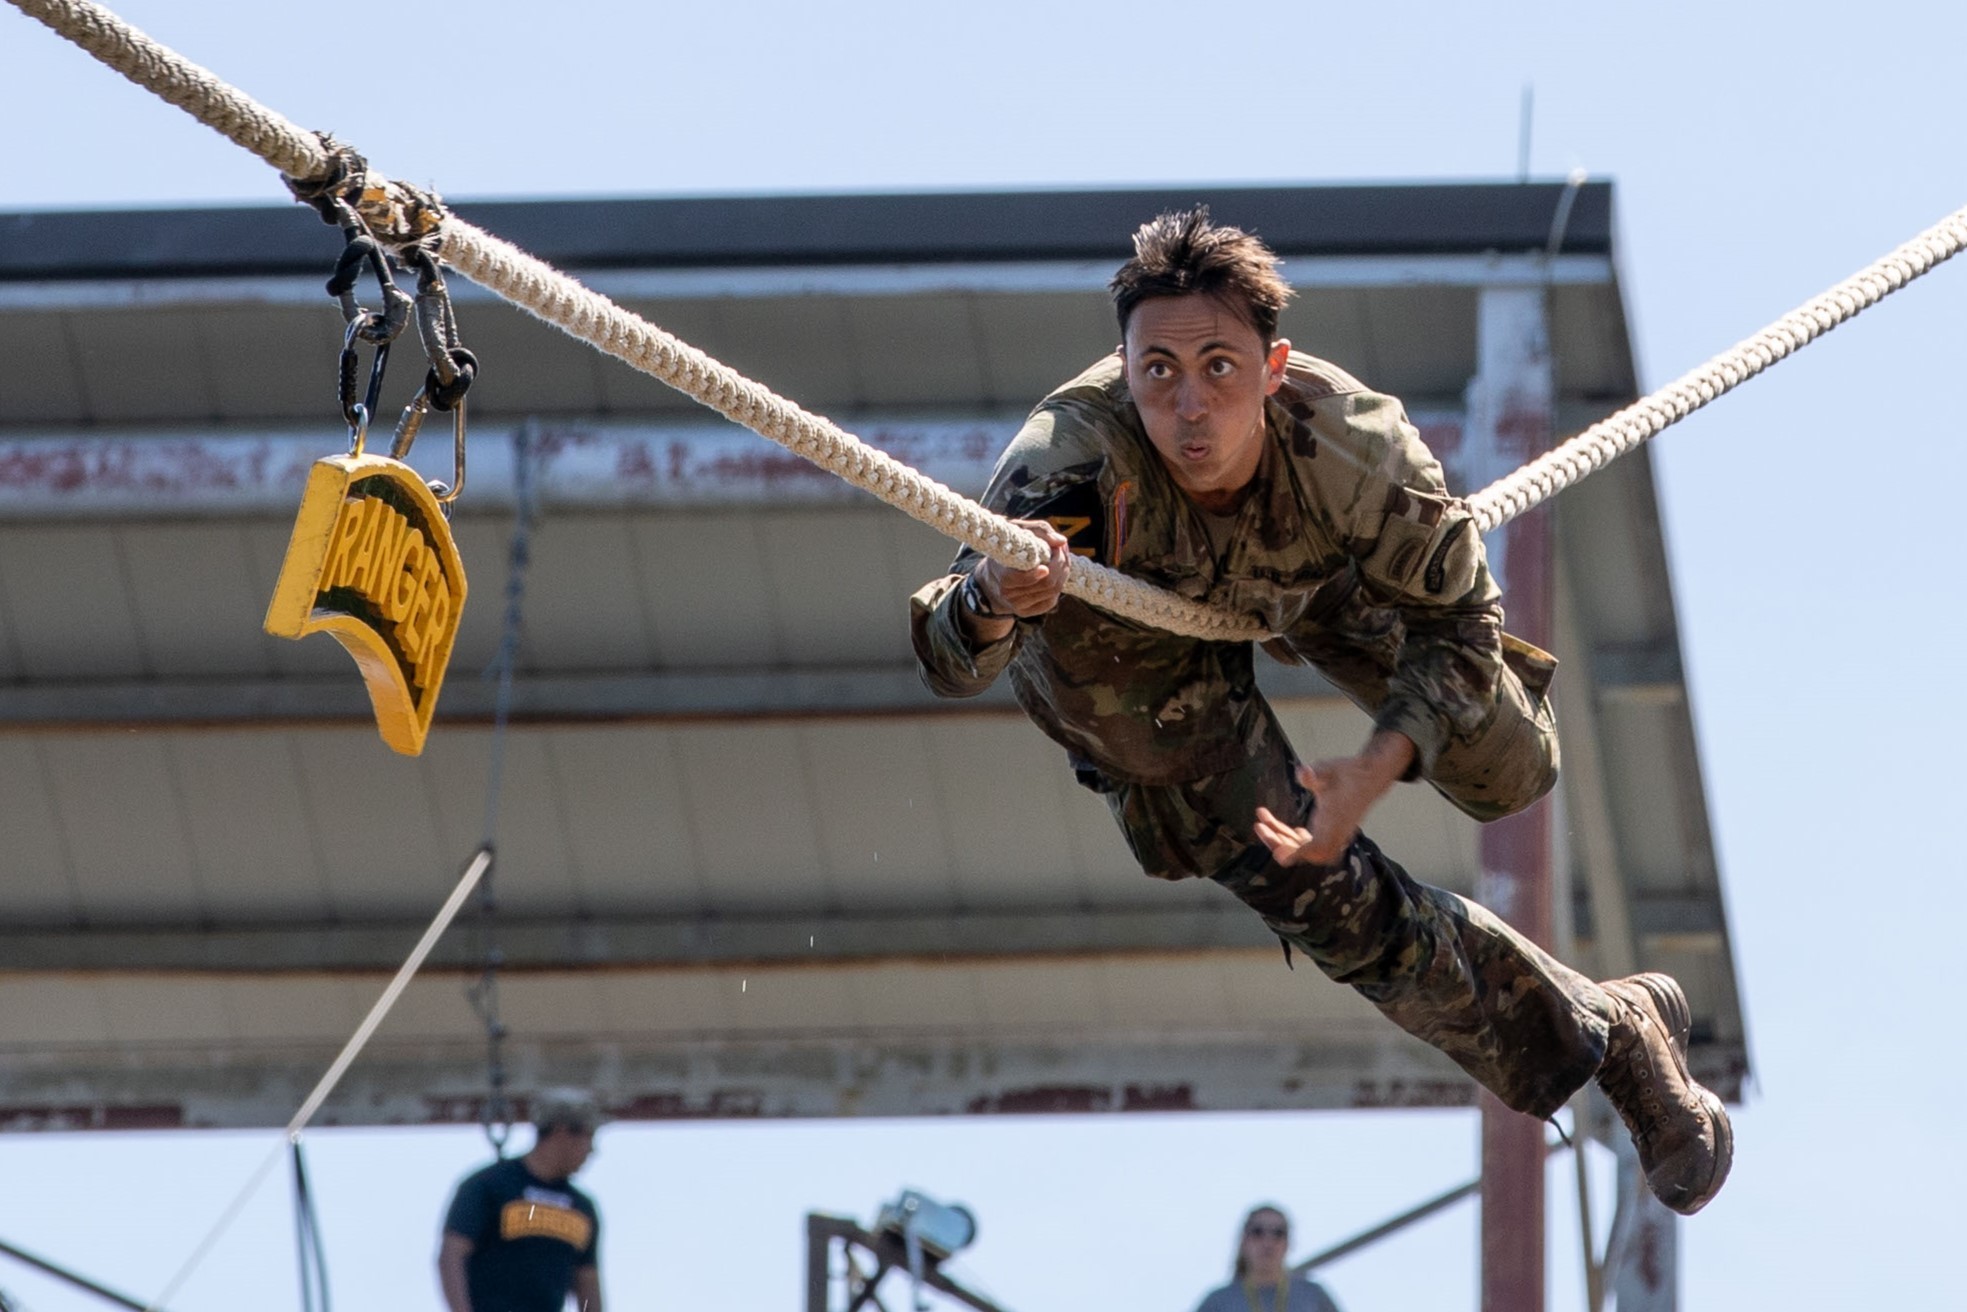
(519, 1237)
(1260, 1282)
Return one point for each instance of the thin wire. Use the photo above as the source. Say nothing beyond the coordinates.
(224, 1223)
(484, 996)
(524, 444)
(479, 863)
(312, 1257)
(63, 1274)
(475, 872)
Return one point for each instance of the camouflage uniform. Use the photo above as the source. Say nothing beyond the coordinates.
(1351, 550)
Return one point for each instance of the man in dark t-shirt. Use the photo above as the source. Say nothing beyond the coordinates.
(519, 1237)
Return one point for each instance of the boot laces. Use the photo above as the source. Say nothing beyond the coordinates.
(1630, 1083)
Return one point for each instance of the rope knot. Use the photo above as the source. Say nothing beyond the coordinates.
(338, 183)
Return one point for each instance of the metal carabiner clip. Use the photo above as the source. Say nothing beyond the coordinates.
(358, 413)
(411, 424)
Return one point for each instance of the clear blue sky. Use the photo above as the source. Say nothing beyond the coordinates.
(1761, 151)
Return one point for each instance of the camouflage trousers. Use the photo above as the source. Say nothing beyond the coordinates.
(1528, 1028)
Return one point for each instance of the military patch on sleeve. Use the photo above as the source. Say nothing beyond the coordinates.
(1077, 512)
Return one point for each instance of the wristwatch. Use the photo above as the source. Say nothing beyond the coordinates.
(974, 601)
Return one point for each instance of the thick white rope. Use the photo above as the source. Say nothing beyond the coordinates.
(1610, 438)
(598, 321)
(561, 301)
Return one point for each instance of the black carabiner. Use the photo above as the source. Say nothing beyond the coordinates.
(359, 413)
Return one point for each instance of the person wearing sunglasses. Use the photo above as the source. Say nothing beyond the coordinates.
(1260, 1282)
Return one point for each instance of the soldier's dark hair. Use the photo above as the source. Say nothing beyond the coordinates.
(1178, 254)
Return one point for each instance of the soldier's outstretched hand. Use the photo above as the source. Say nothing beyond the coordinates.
(1288, 844)
(1343, 791)
(1033, 591)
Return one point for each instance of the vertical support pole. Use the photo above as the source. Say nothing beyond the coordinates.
(819, 1258)
(1509, 422)
(1645, 1271)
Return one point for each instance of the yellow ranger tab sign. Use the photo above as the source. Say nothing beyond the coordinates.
(372, 561)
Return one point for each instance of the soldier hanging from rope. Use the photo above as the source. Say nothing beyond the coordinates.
(1208, 457)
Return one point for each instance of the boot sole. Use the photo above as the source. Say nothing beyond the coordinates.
(1724, 1151)
(1670, 1001)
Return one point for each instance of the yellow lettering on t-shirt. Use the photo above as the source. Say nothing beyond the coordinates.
(523, 1219)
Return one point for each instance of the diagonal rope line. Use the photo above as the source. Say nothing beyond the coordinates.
(558, 299)
(1610, 438)
(466, 882)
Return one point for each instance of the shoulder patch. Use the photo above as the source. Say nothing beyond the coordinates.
(1079, 515)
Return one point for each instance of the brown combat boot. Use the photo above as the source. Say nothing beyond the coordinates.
(1680, 1129)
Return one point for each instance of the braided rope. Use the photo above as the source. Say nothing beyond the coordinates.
(1610, 438)
(593, 318)
(598, 321)
(194, 89)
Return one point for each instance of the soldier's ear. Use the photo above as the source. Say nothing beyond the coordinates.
(1275, 364)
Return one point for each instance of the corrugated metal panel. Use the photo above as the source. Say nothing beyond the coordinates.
(378, 843)
(630, 836)
(1420, 340)
(10, 656)
(838, 596)
(1226, 1029)
(281, 361)
(136, 364)
(187, 583)
(1029, 344)
(802, 348)
(122, 826)
(197, 1012)
(676, 595)
(525, 366)
(586, 608)
(752, 813)
(42, 382)
(68, 605)
(248, 828)
(1020, 833)
(57, 1013)
(914, 351)
(39, 883)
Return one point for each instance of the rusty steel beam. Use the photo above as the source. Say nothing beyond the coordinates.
(586, 464)
(539, 699)
(1010, 277)
(207, 1085)
(558, 942)
(569, 942)
(1509, 423)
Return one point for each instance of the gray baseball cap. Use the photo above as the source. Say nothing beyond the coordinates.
(572, 1108)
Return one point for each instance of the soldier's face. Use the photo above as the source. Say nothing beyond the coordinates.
(1199, 373)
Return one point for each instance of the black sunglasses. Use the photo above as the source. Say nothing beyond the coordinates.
(1266, 1232)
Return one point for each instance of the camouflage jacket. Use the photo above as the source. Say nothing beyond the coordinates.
(1349, 547)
